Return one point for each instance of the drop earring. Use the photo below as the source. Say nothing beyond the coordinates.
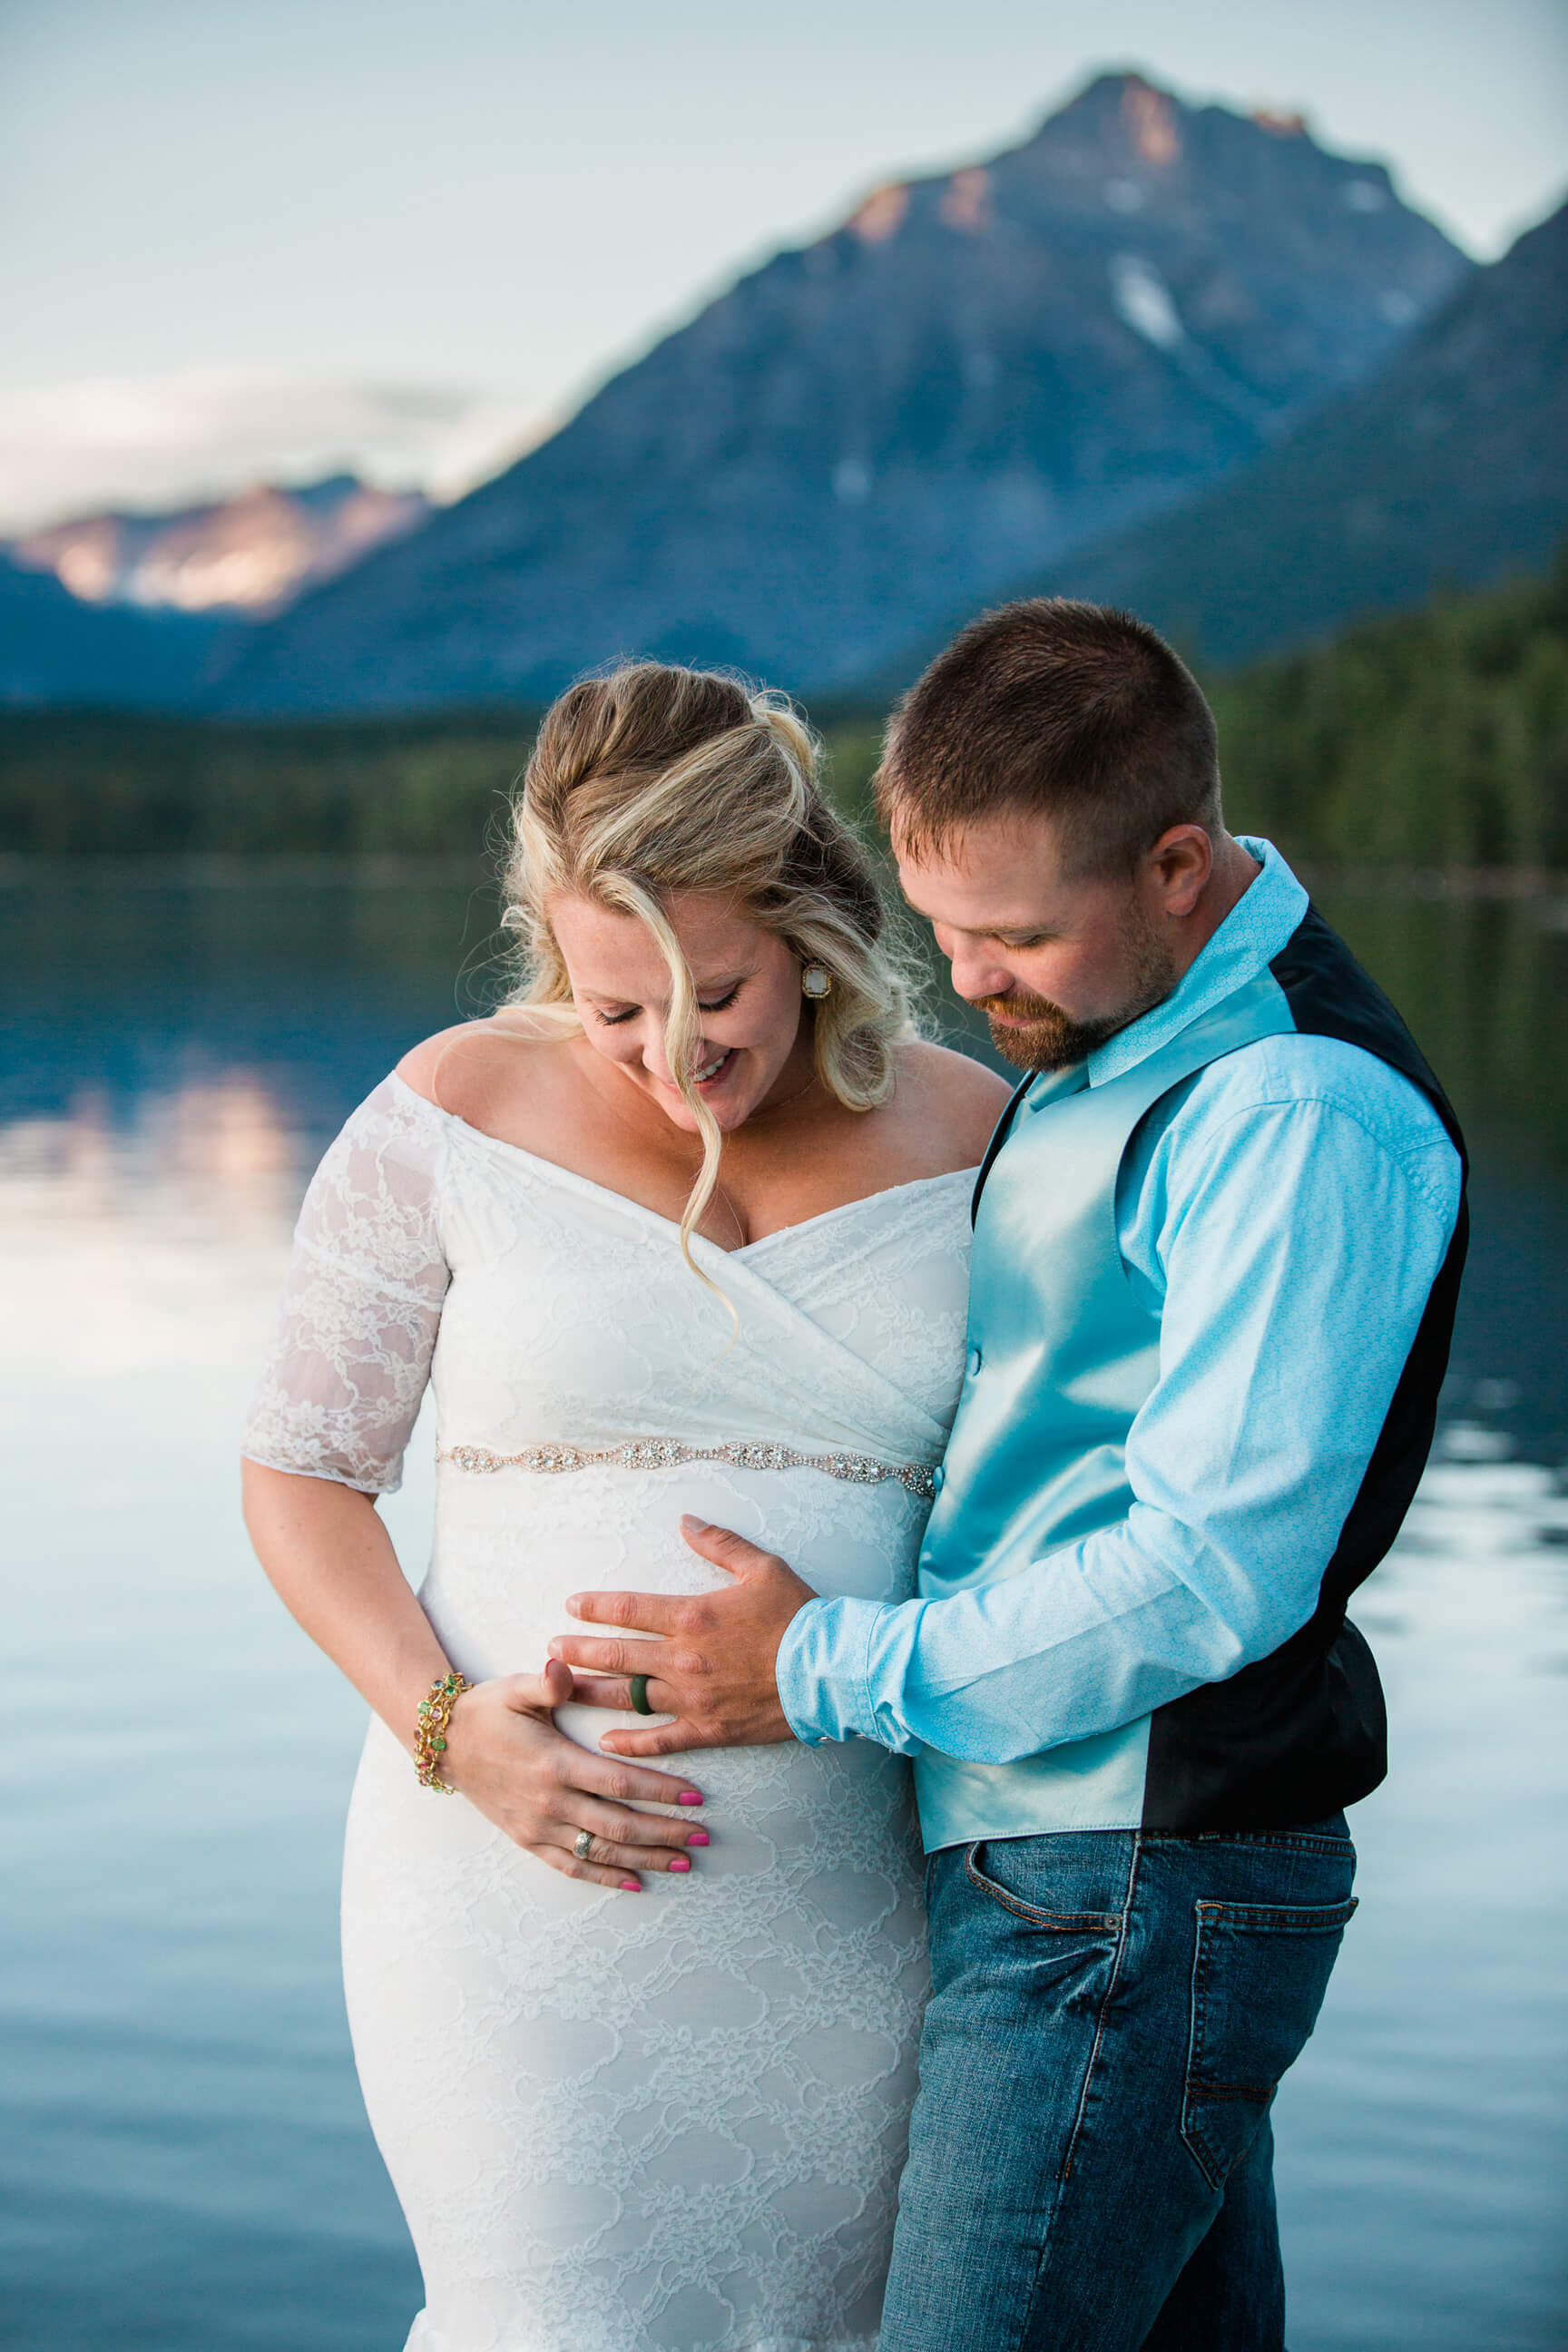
(815, 981)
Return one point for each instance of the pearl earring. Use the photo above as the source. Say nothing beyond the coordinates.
(815, 981)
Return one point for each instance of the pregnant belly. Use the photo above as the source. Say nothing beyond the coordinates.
(512, 1547)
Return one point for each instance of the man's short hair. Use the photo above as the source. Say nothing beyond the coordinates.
(1053, 708)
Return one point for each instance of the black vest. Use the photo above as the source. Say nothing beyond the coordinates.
(1059, 1356)
(1304, 1731)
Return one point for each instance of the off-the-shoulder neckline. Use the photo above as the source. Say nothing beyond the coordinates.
(573, 1180)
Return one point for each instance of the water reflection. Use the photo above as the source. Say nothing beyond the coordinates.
(1422, 2140)
(148, 1238)
(208, 1155)
(184, 2162)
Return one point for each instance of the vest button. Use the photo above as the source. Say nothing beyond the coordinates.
(975, 1360)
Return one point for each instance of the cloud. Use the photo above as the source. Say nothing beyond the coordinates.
(150, 442)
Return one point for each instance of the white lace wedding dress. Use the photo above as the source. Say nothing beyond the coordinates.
(618, 2122)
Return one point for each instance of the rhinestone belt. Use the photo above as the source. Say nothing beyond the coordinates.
(665, 1454)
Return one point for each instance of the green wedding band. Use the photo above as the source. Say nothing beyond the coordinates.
(639, 1696)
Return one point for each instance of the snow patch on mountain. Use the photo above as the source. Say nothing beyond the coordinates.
(1144, 300)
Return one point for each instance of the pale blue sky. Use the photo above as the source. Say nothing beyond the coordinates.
(508, 196)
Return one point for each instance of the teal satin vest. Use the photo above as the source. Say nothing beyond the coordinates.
(1061, 1357)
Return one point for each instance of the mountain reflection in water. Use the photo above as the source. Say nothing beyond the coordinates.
(185, 2161)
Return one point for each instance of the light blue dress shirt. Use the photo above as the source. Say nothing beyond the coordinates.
(1284, 1214)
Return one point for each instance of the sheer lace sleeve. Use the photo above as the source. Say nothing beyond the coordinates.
(362, 1303)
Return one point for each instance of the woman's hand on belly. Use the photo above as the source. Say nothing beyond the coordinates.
(505, 1755)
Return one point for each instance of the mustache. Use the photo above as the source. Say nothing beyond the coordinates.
(1018, 1006)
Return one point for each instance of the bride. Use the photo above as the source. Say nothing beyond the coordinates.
(684, 1229)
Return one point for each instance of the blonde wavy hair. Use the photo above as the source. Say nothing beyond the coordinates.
(654, 780)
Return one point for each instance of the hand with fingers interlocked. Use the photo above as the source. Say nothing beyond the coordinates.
(560, 1802)
(712, 1667)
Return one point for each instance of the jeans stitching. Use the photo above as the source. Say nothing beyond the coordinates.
(1069, 1922)
(1020, 2342)
(1104, 2007)
(1326, 1918)
(1273, 1841)
(1281, 1918)
(1197, 2018)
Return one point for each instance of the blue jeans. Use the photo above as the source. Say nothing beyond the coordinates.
(1090, 2160)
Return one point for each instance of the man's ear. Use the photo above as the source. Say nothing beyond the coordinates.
(1179, 866)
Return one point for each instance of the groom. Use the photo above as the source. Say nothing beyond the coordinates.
(1217, 1241)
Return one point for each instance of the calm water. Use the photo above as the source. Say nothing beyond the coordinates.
(187, 2166)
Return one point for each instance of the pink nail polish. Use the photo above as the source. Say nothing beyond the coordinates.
(681, 1862)
(699, 1837)
(690, 1797)
(631, 1886)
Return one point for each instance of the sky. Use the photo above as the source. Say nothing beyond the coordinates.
(241, 237)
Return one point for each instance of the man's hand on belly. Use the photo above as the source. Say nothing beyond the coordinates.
(714, 1671)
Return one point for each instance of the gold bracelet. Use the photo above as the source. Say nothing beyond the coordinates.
(430, 1729)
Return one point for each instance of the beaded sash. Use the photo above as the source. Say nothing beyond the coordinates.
(666, 1452)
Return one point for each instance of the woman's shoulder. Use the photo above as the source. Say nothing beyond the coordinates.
(956, 1099)
(420, 1068)
(459, 1068)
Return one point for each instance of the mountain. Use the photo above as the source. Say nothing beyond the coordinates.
(977, 372)
(1451, 466)
(251, 554)
(54, 649)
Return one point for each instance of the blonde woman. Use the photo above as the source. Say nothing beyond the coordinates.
(685, 1229)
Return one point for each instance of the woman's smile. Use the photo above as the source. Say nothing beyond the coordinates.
(712, 1074)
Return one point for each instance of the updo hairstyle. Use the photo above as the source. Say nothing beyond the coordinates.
(656, 779)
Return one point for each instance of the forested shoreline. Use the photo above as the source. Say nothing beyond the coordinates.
(1436, 740)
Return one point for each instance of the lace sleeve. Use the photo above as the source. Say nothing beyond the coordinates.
(362, 1303)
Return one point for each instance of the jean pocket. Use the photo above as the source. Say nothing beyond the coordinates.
(1014, 1873)
(1260, 1974)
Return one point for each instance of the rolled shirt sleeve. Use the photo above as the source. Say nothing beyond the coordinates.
(1285, 1218)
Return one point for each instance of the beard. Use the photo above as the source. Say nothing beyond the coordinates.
(1034, 1033)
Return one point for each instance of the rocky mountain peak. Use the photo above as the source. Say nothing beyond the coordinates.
(250, 554)
(976, 373)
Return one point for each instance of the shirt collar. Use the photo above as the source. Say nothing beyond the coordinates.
(1250, 937)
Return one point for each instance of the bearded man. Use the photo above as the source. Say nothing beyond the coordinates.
(1217, 1242)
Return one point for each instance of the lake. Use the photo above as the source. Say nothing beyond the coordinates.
(187, 2166)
